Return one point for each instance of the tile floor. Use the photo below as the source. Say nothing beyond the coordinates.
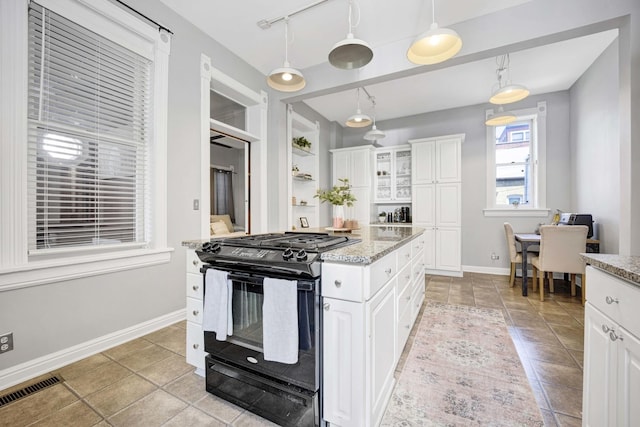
(146, 382)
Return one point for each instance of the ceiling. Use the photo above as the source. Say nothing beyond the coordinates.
(313, 32)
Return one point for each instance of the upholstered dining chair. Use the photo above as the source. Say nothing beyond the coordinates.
(515, 256)
(560, 248)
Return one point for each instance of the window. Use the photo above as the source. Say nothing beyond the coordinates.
(89, 119)
(84, 110)
(515, 165)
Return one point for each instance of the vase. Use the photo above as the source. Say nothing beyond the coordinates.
(338, 216)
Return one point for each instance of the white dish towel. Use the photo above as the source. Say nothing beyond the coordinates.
(280, 320)
(218, 292)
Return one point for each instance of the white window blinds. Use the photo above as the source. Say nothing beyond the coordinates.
(88, 140)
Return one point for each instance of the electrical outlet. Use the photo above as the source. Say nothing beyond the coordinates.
(196, 204)
(6, 342)
(495, 256)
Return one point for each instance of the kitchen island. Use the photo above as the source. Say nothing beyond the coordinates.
(611, 384)
(371, 293)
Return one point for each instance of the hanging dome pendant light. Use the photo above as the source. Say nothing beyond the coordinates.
(506, 93)
(434, 46)
(286, 79)
(358, 120)
(351, 52)
(374, 134)
(500, 117)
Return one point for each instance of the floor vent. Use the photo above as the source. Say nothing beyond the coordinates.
(29, 390)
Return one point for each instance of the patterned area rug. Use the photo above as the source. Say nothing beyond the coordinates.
(463, 369)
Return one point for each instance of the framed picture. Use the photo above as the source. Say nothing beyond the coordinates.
(303, 222)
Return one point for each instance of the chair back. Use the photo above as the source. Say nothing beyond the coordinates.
(511, 242)
(560, 247)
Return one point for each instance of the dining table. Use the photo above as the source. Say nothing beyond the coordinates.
(532, 239)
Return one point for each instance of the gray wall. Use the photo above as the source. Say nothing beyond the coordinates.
(53, 317)
(595, 147)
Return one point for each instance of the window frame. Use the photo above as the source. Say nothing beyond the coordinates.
(538, 117)
(17, 268)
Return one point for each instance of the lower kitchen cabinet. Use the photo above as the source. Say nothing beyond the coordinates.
(364, 333)
(611, 388)
(195, 291)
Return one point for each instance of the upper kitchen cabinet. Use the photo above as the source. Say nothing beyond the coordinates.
(303, 136)
(437, 160)
(354, 163)
(393, 175)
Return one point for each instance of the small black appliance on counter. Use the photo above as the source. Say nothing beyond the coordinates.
(577, 219)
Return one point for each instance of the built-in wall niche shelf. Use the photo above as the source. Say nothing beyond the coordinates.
(304, 165)
(219, 127)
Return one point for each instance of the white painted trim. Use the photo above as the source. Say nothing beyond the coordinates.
(519, 212)
(33, 368)
(60, 269)
(205, 146)
(498, 271)
(461, 136)
(443, 273)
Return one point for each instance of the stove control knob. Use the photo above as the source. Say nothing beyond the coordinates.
(301, 255)
(211, 247)
(287, 254)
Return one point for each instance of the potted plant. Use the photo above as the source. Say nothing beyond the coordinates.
(382, 216)
(302, 143)
(339, 196)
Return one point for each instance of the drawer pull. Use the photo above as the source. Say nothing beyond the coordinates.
(196, 346)
(326, 306)
(407, 277)
(606, 329)
(611, 300)
(195, 312)
(338, 283)
(408, 256)
(407, 326)
(196, 287)
(195, 262)
(388, 270)
(409, 297)
(614, 337)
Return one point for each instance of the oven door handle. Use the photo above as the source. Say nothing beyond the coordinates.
(258, 280)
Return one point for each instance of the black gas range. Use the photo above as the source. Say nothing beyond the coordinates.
(283, 254)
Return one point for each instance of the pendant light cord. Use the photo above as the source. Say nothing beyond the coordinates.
(286, 40)
(433, 12)
(357, 7)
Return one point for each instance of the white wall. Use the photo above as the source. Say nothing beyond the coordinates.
(595, 147)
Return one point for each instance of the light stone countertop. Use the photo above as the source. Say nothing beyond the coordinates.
(625, 267)
(376, 242)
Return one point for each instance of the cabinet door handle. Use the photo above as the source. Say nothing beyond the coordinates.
(611, 300)
(606, 329)
(409, 297)
(195, 262)
(408, 256)
(407, 326)
(196, 346)
(196, 287)
(407, 277)
(388, 270)
(326, 306)
(338, 283)
(195, 312)
(614, 337)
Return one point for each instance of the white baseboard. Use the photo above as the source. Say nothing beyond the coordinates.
(33, 368)
(485, 270)
(443, 273)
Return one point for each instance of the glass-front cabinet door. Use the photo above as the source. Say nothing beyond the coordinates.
(393, 175)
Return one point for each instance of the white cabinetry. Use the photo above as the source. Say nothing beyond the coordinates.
(611, 389)
(195, 336)
(392, 175)
(355, 165)
(437, 201)
(362, 331)
(304, 166)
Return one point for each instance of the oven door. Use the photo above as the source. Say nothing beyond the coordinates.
(243, 349)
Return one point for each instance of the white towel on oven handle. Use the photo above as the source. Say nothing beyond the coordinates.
(280, 320)
(218, 294)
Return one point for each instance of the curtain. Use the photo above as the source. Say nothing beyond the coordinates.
(222, 200)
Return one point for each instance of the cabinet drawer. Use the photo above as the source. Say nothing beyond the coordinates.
(194, 310)
(195, 286)
(342, 282)
(614, 297)
(193, 262)
(404, 297)
(417, 245)
(195, 345)
(417, 298)
(404, 255)
(382, 271)
(417, 267)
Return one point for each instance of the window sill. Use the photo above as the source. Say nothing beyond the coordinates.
(42, 272)
(519, 212)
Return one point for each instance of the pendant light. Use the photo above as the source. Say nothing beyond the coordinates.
(374, 134)
(506, 91)
(436, 45)
(500, 117)
(358, 120)
(351, 52)
(286, 79)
